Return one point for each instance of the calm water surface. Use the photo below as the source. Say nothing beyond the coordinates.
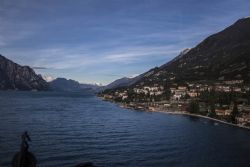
(67, 129)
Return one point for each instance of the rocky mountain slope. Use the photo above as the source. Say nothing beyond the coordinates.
(14, 76)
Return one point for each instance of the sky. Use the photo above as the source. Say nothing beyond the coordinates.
(98, 41)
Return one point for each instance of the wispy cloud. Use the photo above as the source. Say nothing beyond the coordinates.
(40, 68)
(63, 58)
(133, 54)
(101, 41)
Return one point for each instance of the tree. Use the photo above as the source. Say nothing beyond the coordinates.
(212, 112)
(167, 94)
(234, 113)
(194, 107)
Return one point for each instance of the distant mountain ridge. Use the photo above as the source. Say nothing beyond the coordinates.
(123, 82)
(17, 77)
(63, 84)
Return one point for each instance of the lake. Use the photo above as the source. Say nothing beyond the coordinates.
(71, 128)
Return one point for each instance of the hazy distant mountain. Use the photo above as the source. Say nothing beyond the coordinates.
(123, 82)
(93, 87)
(62, 84)
(222, 56)
(14, 76)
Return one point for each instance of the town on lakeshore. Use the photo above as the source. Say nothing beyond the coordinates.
(226, 100)
(210, 80)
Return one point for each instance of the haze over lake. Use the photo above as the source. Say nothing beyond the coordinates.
(70, 128)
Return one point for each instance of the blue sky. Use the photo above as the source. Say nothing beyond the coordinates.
(98, 41)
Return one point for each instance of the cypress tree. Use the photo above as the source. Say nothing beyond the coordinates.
(194, 107)
(234, 113)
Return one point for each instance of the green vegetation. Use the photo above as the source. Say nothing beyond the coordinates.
(218, 97)
(212, 112)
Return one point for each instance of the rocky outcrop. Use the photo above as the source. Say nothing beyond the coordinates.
(17, 77)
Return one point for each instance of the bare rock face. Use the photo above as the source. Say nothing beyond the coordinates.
(17, 77)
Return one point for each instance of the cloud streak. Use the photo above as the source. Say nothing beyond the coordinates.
(86, 40)
(39, 68)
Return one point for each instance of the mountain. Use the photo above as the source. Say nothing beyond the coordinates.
(123, 82)
(222, 56)
(119, 83)
(15, 76)
(93, 87)
(62, 84)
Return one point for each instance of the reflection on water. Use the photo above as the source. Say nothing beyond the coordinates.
(193, 118)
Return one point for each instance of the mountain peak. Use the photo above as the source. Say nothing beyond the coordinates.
(245, 18)
(245, 21)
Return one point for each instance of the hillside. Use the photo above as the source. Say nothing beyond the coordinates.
(123, 82)
(222, 56)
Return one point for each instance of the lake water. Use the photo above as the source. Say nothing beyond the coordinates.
(67, 129)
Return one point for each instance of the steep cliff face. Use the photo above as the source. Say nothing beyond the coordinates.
(14, 76)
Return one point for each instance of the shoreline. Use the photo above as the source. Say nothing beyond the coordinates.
(180, 113)
(205, 117)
